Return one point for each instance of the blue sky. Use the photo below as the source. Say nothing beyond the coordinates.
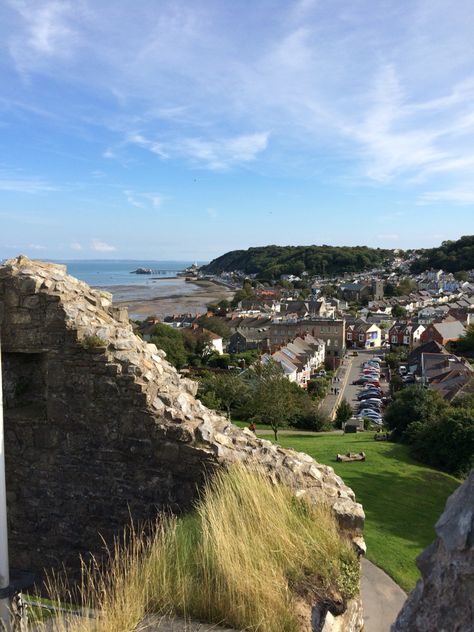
(171, 130)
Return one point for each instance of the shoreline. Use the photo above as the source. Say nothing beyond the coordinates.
(195, 301)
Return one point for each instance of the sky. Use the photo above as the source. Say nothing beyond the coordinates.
(183, 129)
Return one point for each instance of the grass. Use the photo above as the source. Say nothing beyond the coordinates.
(402, 499)
(245, 424)
(247, 557)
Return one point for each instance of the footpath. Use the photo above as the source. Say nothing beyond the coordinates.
(332, 400)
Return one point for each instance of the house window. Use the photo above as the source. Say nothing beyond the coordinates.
(361, 337)
(349, 335)
(394, 339)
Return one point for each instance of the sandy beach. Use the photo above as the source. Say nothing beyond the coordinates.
(162, 299)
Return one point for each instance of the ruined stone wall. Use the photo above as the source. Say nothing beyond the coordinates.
(94, 435)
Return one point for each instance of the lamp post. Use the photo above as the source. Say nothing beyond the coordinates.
(5, 615)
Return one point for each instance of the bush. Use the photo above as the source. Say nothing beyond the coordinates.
(447, 443)
(312, 419)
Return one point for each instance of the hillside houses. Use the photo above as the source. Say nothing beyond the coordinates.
(439, 370)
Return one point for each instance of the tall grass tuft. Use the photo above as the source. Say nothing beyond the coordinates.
(244, 557)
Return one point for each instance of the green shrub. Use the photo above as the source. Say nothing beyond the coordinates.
(93, 342)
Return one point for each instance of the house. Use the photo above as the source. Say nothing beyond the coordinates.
(253, 333)
(444, 332)
(405, 334)
(363, 334)
(215, 342)
(356, 292)
(299, 358)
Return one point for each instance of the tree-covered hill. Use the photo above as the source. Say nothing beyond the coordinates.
(272, 261)
(452, 256)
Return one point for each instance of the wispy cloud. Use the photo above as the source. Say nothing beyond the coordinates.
(457, 195)
(75, 245)
(142, 200)
(15, 183)
(217, 154)
(102, 246)
(36, 247)
(47, 33)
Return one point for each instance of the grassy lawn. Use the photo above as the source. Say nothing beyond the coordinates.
(402, 499)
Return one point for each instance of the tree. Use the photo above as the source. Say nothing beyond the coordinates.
(172, 343)
(272, 399)
(413, 404)
(343, 412)
(317, 388)
(228, 389)
(398, 311)
(466, 342)
(447, 442)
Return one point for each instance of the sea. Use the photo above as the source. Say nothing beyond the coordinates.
(116, 276)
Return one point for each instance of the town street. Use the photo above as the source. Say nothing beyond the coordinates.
(351, 390)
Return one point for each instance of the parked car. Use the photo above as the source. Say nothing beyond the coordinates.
(370, 414)
(321, 373)
(366, 404)
(402, 370)
(365, 397)
(371, 406)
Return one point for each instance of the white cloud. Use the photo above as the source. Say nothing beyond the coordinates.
(142, 200)
(216, 154)
(101, 246)
(75, 245)
(47, 32)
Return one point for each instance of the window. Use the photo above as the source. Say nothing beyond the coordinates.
(349, 335)
(361, 337)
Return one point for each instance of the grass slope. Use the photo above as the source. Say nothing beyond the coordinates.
(251, 555)
(402, 499)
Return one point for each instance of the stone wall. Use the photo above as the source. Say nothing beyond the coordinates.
(96, 434)
(443, 599)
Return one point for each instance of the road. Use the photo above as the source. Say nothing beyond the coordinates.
(351, 391)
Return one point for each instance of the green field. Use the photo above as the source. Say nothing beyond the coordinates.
(402, 499)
